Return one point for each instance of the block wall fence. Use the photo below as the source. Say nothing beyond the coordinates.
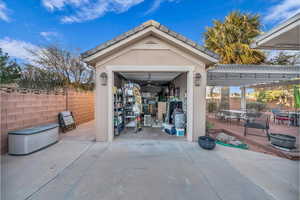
(24, 108)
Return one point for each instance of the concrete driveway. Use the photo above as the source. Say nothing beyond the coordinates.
(147, 169)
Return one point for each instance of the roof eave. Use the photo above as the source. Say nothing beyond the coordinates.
(274, 32)
(149, 26)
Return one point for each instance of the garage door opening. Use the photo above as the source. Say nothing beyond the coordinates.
(150, 105)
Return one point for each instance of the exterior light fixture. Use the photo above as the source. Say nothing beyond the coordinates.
(103, 78)
(197, 79)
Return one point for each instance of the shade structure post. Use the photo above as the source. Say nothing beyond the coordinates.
(297, 97)
(243, 98)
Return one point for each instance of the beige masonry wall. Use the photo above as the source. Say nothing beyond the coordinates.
(149, 52)
(21, 110)
(235, 103)
(82, 105)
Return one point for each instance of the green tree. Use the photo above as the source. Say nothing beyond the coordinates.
(231, 39)
(10, 71)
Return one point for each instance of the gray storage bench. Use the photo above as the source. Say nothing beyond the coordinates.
(26, 141)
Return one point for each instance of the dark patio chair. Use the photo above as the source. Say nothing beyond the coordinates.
(251, 116)
(258, 121)
(295, 119)
(284, 117)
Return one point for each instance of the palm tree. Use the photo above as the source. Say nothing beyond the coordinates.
(231, 39)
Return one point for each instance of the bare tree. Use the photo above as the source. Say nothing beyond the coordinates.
(65, 64)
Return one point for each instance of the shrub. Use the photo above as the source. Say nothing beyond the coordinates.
(209, 125)
(257, 106)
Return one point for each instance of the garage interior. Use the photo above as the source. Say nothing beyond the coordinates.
(150, 105)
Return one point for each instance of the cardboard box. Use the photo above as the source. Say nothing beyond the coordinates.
(161, 109)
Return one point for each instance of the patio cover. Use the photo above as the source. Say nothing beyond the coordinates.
(276, 84)
(248, 75)
(285, 36)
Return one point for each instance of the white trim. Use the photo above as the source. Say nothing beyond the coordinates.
(250, 69)
(144, 33)
(152, 68)
(137, 68)
(164, 35)
(133, 48)
(291, 23)
(190, 105)
(118, 44)
(110, 106)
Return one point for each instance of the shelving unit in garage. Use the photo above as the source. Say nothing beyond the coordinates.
(118, 111)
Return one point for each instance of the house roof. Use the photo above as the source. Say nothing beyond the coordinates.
(248, 75)
(285, 36)
(156, 25)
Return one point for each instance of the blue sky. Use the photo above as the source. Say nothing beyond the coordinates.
(83, 24)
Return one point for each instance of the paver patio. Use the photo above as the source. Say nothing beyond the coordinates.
(79, 168)
(258, 137)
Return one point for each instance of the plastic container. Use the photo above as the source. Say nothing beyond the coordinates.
(180, 131)
(168, 126)
(171, 131)
(179, 120)
(206, 142)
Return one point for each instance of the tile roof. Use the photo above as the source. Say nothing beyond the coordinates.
(143, 26)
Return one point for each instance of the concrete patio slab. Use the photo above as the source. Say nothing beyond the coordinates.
(147, 169)
(23, 175)
(279, 177)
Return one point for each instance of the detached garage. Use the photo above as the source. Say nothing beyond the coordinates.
(144, 71)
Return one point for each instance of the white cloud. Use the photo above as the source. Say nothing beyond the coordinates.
(282, 11)
(60, 4)
(4, 12)
(17, 48)
(49, 35)
(85, 10)
(156, 4)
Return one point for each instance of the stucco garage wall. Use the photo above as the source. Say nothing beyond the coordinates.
(148, 52)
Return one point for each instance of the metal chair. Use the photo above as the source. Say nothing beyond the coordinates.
(219, 115)
(228, 116)
(262, 122)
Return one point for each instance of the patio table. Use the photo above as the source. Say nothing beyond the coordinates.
(235, 111)
(239, 114)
